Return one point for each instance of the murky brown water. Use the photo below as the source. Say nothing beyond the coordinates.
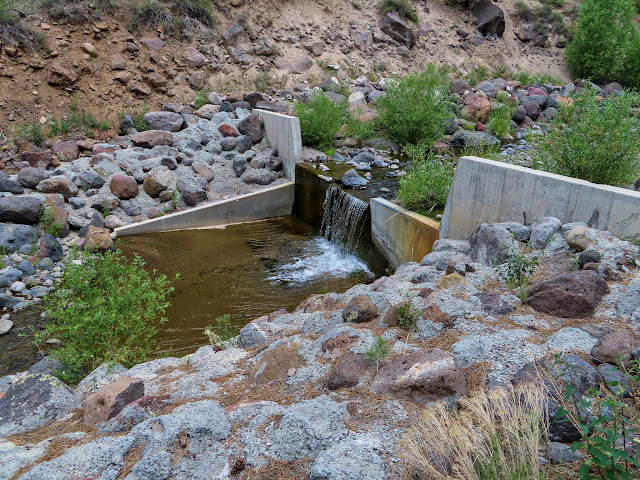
(17, 350)
(244, 270)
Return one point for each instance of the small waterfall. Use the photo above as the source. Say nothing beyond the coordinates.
(343, 219)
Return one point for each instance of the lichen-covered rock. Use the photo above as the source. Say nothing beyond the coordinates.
(492, 244)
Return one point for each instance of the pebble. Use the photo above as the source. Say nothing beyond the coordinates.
(5, 326)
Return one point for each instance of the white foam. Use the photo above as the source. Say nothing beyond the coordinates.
(322, 259)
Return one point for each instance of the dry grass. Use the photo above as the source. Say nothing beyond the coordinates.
(476, 376)
(494, 436)
(132, 457)
(52, 429)
(279, 470)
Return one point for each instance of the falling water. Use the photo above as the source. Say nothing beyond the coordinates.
(343, 219)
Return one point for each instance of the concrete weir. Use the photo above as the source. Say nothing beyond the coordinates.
(486, 191)
(283, 133)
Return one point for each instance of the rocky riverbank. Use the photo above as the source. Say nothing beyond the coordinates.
(299, 395)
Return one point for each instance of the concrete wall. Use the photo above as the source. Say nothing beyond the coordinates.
(283, 133)
(268, 203)
(401, 235)
(485, 191)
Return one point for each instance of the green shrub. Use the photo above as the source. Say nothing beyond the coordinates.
(14, 33)
(106, 309)
(49, 224)
(379, 351)
(478, 73)
(149, 14)
(359, 129)
(499, 120)
(202, 98)
(320, 120)
(594, 140)
(197, 9)
(263, 81)
(426, 184)
(402, 7)
(31, 132)
(221, 333)
(414, 109)
(606, 42)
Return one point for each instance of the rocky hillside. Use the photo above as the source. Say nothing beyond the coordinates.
(92, 61)
(299, 397)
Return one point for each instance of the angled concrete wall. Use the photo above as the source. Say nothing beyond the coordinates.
(486, 191)
(283, 133)
(268, 203)
(401, 235)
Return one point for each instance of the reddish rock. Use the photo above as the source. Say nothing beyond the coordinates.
(228, 130)
(58, 76)
(476, 108)
(479, 126)
(65, 151)
(153, 44)
(152, 138)
(360, 309)
(619, 343)
(58, 185)
(37, 159)
(574, 295)
(140, 89)
(104, 148)
(156, 80)
(124, 187)
(433, 314)
(98, 239)
(349, 370)
(533, 110)
(109, 400)
(537, 91)
(274, 364)
(85, 145)
(421, 377)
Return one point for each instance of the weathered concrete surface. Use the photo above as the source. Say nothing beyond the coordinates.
(401, 235)
(283, 133)
(485, 191)
(268, 203)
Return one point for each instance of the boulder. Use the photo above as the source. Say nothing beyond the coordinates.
(90, 179)
(12, 236)
(58, 76)
(489, 18)
(153, 43)
(159, 180)
(298, 65)
(491, 244)
(33, 401)
(11, 186)
(167, 121)
(542, 230)
(137, 412)
(193, 194)
(193, 58)
(422, 377)
(58, 185)
(152, 138)
(235, 36)
(240, 164)
(392, 25)
(98, 239)
(252, 127)
(20, 209)
(360, 309)
(476, 108)
(109, 400)
(50, 248)
(65, 151)
(574, 295)
(352, 179)
(275, 363)
(616, 347)
(464, 138)
(349, 370)
(30, 177)
(202, 170)
(258, 176)
(124, 187)
(581, 238)
(228, 130)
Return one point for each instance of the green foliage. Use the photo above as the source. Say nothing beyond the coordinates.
(609, 431)
(478, 73)
(499, 120)
(106, 309)
(149, 14)
(427, 182)
(14, 33)
(49, 224)
(221, 332)
(402, 7)
(320, 120)
(137, 115)
(407, 314)
(379, 351)
(31, 132)
(517, 272)
(594, 140)
(76, 11)
(606, 42)
(202, 98)
(263, 81)
(359, 129)
(77, 120)
(414, 108)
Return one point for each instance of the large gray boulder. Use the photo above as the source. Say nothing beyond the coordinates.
(33, 401)
(20, 209)
(12, 237)
(394, 26)
(167, 121)
(354, 458)
(352, 179)
(30, 177)
(492, 244)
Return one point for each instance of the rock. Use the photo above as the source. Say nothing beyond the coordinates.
(112, 222)
(581, 238)
(8, 301)
(315, 48)
(542, 230)
(235, 36)
(298, 65)
(629, 303)
(156, 81)
(422, 377)
(252, 127)
(153, 44)
(5, 325)
(33, 401)
(616, 347)
(167, 121)
(243, 143)
(118, 62)
(533, 110)
(47, 366)
(460, 86)
(58, 185)
(360, 309)
(13, 237)
(20, 209)
(560, 453)
(109, 400)
(476, 108)
(124, 187)
(351, 459)
(90, 179)
(193, 58)
(137, 412)
(254, 97)
(258, 176)
(527, 33)
(50, 248)
(616, 382)
(98, 239)
(392, 25)
(58, 76)
(11, 186)
(588, 256)
(193, 194)
(492, 243)
(464, 138)
(574, 295)
(489, 18)
(30, 177)
(495, 304)
(240, 164)
(352, 179)
(349, 370)
(66, 151)
(204, 171)
(251, 335)
(152, 138)
(228, 130)
(274, 363)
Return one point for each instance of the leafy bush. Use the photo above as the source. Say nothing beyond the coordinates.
(426, 184)
(202, 98)
(594, 140)
(320, 120)
(106, 309)
(222, 332)
(359, 129)
(402, 7)
(414, 109)
(49, 224)
(517, 272)
(499, 120)
(407, 314)
(606, 42)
